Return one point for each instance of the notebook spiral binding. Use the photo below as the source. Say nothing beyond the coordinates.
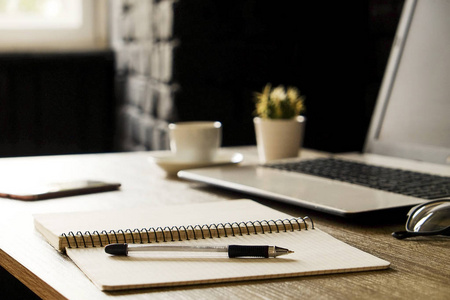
(179, 233)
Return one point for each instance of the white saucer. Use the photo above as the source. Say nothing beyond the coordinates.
(168, 161)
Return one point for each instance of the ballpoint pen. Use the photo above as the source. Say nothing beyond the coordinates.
(232, 250)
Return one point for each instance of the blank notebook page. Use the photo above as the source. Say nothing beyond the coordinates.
(315, 253)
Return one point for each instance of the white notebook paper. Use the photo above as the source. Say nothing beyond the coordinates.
(315, 252)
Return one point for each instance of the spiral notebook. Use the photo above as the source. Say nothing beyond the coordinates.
(82, 236)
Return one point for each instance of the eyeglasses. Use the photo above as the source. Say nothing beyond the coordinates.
(430, 218)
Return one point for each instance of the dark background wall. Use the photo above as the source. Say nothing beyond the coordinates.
(220, 53)
(333, 51)
(223, 51)
(56, 103)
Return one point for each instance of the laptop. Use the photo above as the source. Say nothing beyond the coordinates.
(409, 135)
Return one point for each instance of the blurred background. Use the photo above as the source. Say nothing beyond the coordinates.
(79, 76)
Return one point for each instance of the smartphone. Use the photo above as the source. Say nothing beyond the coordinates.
(55, 190)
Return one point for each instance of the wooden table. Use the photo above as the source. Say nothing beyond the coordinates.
(420, 268)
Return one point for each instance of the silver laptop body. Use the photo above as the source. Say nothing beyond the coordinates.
(410, 127)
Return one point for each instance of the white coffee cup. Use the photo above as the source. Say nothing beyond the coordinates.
(196, 141)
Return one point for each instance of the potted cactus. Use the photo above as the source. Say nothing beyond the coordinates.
(278, 123)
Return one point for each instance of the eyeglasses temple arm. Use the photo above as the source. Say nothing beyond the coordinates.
(406, 234)
(400, 235)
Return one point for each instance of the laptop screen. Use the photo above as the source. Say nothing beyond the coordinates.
(412, 116)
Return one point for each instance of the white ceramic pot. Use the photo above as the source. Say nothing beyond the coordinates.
(278, 138)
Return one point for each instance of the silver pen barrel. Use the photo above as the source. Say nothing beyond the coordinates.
(177, 248)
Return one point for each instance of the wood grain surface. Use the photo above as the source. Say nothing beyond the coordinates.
(419, 268)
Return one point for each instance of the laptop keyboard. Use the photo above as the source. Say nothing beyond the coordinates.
(420, 185)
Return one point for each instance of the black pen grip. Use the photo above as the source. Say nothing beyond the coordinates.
(255, 251)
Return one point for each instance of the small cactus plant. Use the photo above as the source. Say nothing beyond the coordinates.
(279, 103)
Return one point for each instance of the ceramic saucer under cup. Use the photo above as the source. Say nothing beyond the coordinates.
(171, 164)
